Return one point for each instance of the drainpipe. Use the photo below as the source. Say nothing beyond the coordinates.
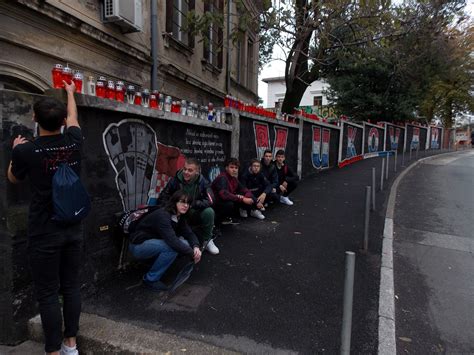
(227, 83)
(154, 44)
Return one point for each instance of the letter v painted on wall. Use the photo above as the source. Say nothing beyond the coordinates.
(320, 147)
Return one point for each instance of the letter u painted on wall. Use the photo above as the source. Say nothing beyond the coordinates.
(434, 138)
(320, 147)
(415, 138)
(394, 135)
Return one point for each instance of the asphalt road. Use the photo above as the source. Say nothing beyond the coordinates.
(277, 285)
(433, 257)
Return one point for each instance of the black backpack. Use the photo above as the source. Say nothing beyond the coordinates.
(71, 202)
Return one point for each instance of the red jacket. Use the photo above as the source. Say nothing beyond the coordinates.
(226, 188)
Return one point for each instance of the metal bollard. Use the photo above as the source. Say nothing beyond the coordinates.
(381, 174)
(366, 218)
(347, 306)
(396, 158)
(373, 189)
(387, 165)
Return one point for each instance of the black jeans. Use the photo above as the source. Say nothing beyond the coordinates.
(55, 261)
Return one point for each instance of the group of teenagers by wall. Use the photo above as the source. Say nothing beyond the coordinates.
(190, 211)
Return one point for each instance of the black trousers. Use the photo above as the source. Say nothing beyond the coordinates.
(225, 209)
(55, 261)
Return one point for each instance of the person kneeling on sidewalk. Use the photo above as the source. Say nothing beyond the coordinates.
(287, 178)
(158, 235)
(201, 215)
(255, 181)
(230, 194)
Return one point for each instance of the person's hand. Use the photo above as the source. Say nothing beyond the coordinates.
(70, 88)
(259, 205)
(274, 190)
(197, 255)
(262, 197)
(247, 201)
(285, 184)
(19, 140)
(282, 188)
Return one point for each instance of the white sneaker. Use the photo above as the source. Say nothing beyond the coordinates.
(66, 350)
(243, 213)
(211, 248)
(285, 200)
(257, 214)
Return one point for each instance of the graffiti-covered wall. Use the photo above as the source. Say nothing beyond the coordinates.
(374, 140)
(416, 137)
(319, 147)
(257, 135)
(351, 144)
(395, 137)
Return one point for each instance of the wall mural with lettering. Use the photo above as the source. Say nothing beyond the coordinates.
(416, 137)
(351, 147)
(143, 165)
(319, 147)
(267, 135)
(435, 137)
(374, 143)
(395, 137)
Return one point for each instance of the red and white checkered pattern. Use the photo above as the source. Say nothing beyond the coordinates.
(161, 181)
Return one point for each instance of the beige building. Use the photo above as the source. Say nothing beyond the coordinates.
(114, 38)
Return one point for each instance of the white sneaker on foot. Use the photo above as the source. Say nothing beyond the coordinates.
(285, 200)
(211, 248)
(243, 213)
(66, 350)
(257, 214)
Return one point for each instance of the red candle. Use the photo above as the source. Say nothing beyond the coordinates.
(78, 81)
(138, 98)
(120, 91)
(110, 90)
(57, 73)
(100, 89)
(153, 101)
(67, 75)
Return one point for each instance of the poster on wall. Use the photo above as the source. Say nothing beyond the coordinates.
(374, 140)
(281, 137)
(143, 165)
(436, 135)
(262, 138)
(350, 149)
(395, 137)
(321, 138)
(416, 137)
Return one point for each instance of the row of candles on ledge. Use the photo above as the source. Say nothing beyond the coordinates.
(117, 91)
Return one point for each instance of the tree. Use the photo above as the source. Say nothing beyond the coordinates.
(405, 77)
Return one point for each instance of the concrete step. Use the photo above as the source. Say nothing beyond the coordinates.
(28, 347)
(99, 334)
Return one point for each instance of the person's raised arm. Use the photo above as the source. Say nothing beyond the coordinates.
(71, 119)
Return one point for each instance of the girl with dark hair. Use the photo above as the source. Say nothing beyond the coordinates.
(157, 235)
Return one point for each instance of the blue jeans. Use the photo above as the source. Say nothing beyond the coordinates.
(152, 248)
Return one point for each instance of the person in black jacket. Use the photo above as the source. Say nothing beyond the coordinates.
(254, 180)
(287, 178)
(201, 215)
(157, 235)
(268, 169)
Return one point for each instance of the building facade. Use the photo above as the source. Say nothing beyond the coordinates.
(114, 38)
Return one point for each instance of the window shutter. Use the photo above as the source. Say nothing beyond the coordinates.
(169, 15)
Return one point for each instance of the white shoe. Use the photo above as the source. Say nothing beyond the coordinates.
(285, 200)
(66, 350)
(211, 248)
(257, 214)
(243, 213)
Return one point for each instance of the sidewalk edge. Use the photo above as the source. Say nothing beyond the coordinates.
(386, 332)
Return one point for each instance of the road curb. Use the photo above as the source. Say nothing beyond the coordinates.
(386, 335)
